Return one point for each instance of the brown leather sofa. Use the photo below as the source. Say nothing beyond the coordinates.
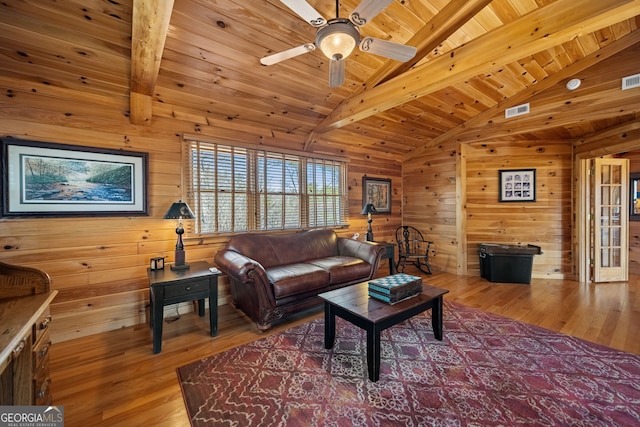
(272, 275)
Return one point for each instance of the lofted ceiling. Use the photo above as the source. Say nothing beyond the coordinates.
(198, 61)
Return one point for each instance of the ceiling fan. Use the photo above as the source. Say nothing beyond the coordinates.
(337, 37)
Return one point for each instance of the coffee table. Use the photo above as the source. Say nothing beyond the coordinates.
(353, 304)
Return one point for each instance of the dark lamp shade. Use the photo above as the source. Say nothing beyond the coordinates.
(179, 210)
(369, 208)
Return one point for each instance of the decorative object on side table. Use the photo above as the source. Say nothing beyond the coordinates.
(179, 211)
(156, 263)
(368, 210)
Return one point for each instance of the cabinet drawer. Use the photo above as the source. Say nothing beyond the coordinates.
(41, 351)
(42, 388)
(41, 325)
(190, 287)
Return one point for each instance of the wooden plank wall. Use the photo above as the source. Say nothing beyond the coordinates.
(429, 202)
(451, 193)
(545, 222)
(98, 264)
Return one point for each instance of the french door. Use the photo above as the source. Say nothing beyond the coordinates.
(609, 228)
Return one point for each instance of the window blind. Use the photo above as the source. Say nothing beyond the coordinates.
(235, 189)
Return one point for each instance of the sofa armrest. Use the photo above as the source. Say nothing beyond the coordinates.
(246, 271)
(371, 253)
(250, 287)
(239, 267)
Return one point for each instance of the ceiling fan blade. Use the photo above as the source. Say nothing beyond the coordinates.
(287, 54)
(391, 50)
(336, 72)
(306, 12)
(367, 10)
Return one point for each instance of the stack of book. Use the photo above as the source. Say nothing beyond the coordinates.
(392, 289)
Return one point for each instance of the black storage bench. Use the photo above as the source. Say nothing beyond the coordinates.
(507, 263)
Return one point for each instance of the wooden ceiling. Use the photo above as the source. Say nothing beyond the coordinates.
(198, 61)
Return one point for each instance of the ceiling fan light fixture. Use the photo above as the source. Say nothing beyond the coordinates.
(338, 39)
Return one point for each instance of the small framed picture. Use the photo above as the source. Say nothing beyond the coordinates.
(156, 263)
(377, 191)
(517, 185)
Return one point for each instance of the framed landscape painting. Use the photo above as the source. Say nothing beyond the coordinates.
(46, 179)
(518, 185)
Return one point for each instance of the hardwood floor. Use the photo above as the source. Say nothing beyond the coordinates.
(113, 379)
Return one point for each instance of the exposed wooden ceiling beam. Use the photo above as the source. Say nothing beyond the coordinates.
(446, 22)
(614, 140)
(454, 15)
(150, 23)
(610, 132)
(571, 70)
(549, 26)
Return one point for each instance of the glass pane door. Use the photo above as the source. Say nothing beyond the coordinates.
(611, 220)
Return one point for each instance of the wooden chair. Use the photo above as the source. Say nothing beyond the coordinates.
(412, 248)
(19, 281)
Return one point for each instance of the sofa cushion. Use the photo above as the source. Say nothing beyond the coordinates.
(297, 278)
(343, 268)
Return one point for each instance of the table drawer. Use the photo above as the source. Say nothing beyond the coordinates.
(190, 287)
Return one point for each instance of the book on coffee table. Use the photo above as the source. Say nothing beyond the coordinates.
(395, 288)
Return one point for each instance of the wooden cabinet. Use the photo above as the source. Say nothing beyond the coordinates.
(40, 360)
(24, 353)
(24, 338)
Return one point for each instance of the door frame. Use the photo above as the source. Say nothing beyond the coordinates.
(581, 203)
(581, 239)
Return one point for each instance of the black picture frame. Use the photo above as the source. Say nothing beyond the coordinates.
(634, 196)
(44, 179)
(377, 191)
(517, 185)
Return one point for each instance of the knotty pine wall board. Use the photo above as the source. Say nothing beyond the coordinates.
(428, 203)
(545, 222)
(98, 264)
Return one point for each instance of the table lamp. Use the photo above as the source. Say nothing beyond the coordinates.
(179, 211)
(368, 210)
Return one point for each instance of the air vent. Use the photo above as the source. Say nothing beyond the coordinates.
(518, 110)
(631, 82)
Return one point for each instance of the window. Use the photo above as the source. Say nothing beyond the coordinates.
(234, 189)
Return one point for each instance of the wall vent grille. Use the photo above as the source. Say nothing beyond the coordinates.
(518, 110)
(631, 82)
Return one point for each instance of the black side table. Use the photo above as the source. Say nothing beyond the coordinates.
(174, 286)
(390, 255)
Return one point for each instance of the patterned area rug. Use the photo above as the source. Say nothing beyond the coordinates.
(488, 371)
